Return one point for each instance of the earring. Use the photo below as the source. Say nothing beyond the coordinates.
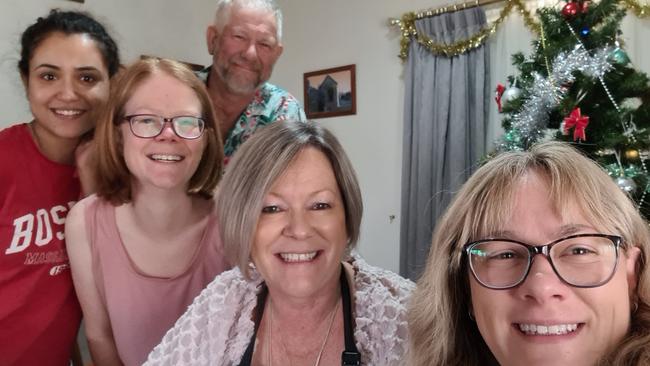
(635, 307)
(470, 313)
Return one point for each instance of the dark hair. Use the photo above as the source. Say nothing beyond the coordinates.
(67, 22)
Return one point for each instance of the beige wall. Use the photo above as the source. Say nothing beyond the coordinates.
(322, 34)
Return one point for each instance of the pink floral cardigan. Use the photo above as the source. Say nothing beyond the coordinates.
(213, 331)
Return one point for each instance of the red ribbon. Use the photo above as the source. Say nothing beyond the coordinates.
(499, 92)
(577, 120)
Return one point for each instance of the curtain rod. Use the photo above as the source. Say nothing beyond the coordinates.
(455, 7)
(409, 31)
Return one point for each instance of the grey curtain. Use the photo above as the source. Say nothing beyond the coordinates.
(445, 123)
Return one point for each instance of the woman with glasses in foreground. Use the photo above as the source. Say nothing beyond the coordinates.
(148, 242)
(539, 260)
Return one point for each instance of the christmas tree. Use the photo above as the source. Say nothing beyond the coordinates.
(579, 86)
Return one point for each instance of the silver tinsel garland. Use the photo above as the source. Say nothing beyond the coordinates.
(547, 93)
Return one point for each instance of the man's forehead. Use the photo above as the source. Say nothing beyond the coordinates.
(246, 26)
(256, 16)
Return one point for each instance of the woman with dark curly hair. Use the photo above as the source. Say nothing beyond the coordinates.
(66, 62)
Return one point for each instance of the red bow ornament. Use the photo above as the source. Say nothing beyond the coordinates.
(499, 92)
(577, 120)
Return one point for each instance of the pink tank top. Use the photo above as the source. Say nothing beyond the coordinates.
(142, 308)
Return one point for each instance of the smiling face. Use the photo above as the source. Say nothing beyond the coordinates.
(165, 161)
(301, 237)
(517, 323)
(67, 82)
(245, 50)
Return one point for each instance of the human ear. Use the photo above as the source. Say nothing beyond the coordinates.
(631, 257)
(278, 52)
(25, 79)
(211, 35)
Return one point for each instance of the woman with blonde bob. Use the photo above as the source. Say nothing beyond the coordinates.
(539, 260)
(148, 242)
(290, 210)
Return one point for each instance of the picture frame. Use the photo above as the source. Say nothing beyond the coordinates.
(330, 92)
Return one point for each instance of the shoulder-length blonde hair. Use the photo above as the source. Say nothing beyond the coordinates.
(441, 331)
(258, 164)
(112, 174)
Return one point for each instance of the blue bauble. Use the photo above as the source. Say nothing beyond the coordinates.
(619, 57)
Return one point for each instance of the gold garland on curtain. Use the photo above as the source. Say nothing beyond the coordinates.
(641, 11)
(407, 28)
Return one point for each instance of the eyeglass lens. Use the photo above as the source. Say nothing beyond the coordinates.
(584, 261)
(147, 126)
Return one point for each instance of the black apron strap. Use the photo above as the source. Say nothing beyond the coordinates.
(247, 359)
(351, 355)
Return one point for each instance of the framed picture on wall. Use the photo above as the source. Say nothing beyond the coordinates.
(330, 92)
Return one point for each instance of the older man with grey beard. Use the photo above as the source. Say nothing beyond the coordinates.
(245, 42)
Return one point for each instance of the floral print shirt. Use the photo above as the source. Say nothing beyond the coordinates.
(270, 103)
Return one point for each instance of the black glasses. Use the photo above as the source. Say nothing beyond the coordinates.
(151, 125)
(583, 260)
